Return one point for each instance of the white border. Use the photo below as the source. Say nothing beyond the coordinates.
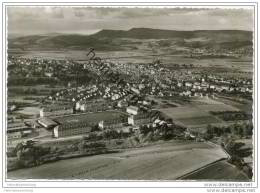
(154, 184)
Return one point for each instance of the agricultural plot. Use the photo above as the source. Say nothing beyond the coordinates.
(190, 116)
(217, 107)
(166, 161)
(198, 120)
(218, 171)
(184, 112)
(198, 115)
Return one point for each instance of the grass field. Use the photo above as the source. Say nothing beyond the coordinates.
(190, 116)
(222, 171)
(184, 112)
(198, 120)
(197, 113)
(217, 107)
(166, 161)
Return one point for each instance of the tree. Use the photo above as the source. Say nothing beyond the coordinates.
(95, 128)
(144, 129)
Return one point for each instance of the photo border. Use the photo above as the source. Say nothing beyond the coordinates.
(128, 4)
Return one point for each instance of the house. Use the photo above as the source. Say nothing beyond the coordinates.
(48, 74)
(188, 84)
(148, 103)
(122, 104)
(132, 110)
(179, 84)
(141, 119)
(212, 87)
(135, 90)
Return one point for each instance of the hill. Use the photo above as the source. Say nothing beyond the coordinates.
(106, 40)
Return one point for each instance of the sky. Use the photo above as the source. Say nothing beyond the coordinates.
(89, 20)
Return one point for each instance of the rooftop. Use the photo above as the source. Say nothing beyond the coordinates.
(47, 121)
(89, 117)
(133, 108)
(56, 107)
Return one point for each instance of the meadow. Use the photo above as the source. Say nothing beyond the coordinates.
(197, 113)
(166, 161)
(219, 171)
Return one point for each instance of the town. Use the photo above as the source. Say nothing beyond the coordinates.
(99, 100)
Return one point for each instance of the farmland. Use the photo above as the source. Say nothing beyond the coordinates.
(166, 161)
(198, 120)
(197, 113)
(218, 171)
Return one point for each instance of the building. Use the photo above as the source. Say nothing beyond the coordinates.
(82, 123)
(17, 130)
(141, 119)
(135, 90)
(112, 123)
(47, 122)
(122, 104)
(33, 124)
(65, 130)
(132, 110)
(94, 106)
(56, 110)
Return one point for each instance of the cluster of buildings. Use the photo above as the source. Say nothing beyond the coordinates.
(64, 123)
(79, 124)
(141, 79)
(98, 101)
(223, 52)
(18, 130)
(203, 88)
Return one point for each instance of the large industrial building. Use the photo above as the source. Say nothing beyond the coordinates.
(56, 110)
(140, 119)
(69, 129)
(47, 122)
(82, 123)
(97, 106)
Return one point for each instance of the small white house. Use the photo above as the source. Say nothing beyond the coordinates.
(132, 110)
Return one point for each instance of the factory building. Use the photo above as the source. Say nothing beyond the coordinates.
(47, 122)
(84, 106)
(82, 123)
(140, 119)
(112, 124)
(56, 110)
(65, 130)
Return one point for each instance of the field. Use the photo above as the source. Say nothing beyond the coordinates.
(166, 161)
(197, 114)
(219, 171)
(198, 120)
(189, 116)
(217, 107)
